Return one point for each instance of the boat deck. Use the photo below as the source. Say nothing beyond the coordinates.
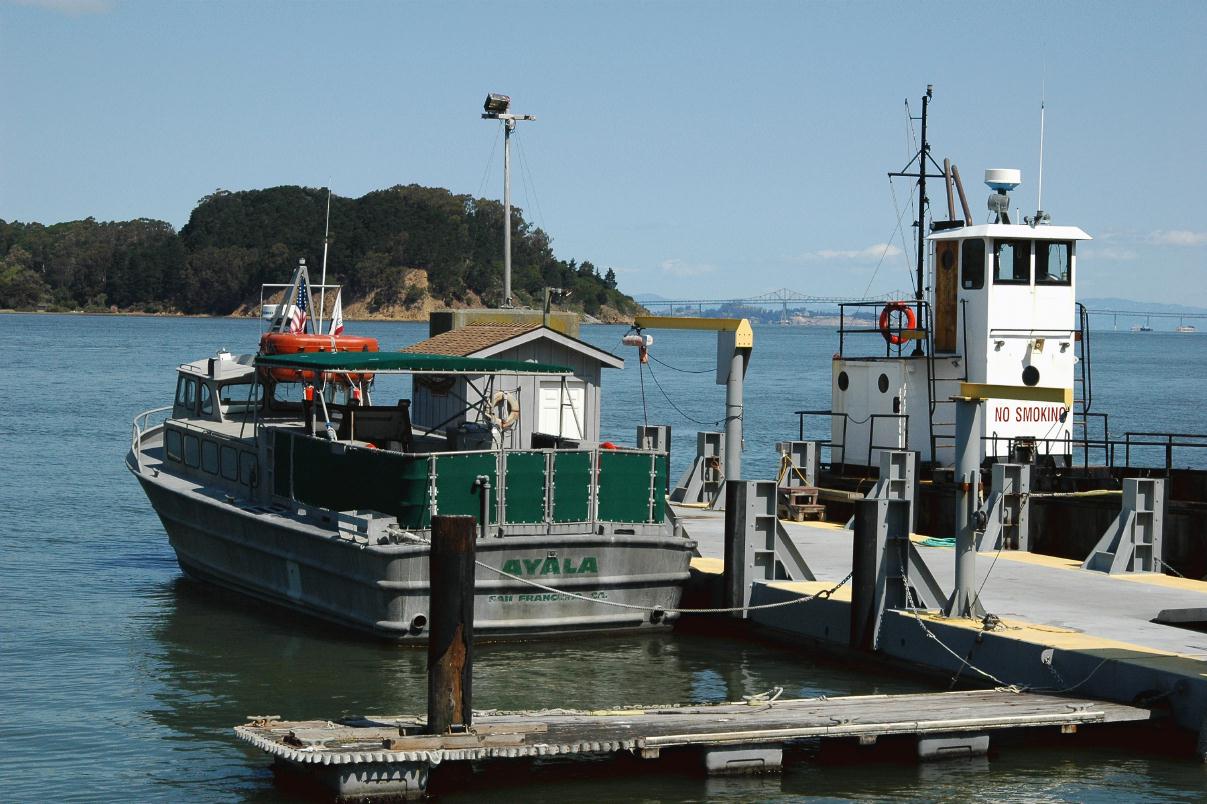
(1062, 627)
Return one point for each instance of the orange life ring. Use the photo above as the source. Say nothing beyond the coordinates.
(911, 321)
(288, 343)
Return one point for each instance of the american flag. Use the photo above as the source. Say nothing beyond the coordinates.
(297, 314)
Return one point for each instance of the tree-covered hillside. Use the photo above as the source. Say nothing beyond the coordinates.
(395, 251)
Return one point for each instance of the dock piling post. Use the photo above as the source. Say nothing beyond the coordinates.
(739, 552)
(450, 639)
(963, 601)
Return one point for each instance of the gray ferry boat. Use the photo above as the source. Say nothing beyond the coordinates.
(275, 474)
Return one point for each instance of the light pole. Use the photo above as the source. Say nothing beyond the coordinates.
(496, 108)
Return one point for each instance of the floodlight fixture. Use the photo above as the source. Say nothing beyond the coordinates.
(496, 104)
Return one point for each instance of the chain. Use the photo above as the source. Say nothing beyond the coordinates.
(825, 593)
(964, 662)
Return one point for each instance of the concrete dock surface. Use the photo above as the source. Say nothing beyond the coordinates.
(1061, 628)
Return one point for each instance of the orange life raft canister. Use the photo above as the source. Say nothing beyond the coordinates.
(288, 343)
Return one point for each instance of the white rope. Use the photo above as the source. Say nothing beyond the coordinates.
(825, 593)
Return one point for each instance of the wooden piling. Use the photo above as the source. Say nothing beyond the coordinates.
(451, 635)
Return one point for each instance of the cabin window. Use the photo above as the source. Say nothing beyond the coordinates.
(230, 462)
(972, 265)
(207, 400)
(209, 456)
(186, 394)
(1053, 263)
(247, 469)
(1012, 262)
(240, 397)
(192, 450)
(173, 446)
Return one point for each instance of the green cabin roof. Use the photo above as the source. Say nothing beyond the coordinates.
(404, 362)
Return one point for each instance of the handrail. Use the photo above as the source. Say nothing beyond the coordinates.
(138, 429)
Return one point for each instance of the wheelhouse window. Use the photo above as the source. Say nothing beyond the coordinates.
(1053, 262)
(207, 400)
(240, 397)
(186, 394)
(1012, 262)
(972, 265)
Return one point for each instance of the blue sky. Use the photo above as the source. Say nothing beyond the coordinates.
(699, 149)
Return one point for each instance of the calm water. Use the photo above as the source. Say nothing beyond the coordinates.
(120, 680)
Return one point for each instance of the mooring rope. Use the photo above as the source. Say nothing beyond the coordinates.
(823, 594)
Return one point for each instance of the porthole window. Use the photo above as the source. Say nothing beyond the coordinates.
(882, 383)
(1030, 375)
(843, 381)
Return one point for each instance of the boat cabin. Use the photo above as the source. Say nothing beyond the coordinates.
(217, 389)
(1001, 309)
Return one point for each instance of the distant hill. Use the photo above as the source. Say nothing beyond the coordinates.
(398, 253)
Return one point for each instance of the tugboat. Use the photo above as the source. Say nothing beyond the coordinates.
(277, 475)
(994, 305)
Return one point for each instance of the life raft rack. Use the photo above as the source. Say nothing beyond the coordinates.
(897, 335)
(289, 343)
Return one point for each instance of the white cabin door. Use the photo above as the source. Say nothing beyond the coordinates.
(562, 410)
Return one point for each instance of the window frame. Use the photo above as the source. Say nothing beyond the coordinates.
(979, 283)
(997, 280)
(177, 454)
(1068, 280)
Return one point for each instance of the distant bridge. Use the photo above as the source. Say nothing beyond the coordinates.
(784, 297)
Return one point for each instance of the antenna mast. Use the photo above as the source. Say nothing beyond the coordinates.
(323, 279)
(922, 158)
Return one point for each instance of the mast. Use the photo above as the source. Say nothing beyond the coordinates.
(496, 108)
(323, 279)
(922, 154)
(922, 158)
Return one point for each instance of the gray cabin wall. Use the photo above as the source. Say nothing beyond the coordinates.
(585, 368)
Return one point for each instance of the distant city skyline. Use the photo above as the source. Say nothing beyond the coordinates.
(698, 149)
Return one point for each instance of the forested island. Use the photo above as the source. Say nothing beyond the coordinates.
(398, 253)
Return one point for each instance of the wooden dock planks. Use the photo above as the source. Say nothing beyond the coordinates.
(648, 730)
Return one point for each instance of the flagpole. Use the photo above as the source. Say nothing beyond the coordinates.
(323, 279)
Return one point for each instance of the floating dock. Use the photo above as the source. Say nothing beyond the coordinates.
(1056, 627)
(391, 756)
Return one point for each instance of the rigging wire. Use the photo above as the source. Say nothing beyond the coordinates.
(676, 368)
(680, 411)
(909, 250)
(888, 244)
(489, 162)
(530, 182)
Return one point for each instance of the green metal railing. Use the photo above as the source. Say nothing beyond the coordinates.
(528, 488)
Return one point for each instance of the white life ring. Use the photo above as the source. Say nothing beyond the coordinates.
(502, 399)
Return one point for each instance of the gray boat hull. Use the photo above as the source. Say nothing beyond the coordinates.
(382, 589)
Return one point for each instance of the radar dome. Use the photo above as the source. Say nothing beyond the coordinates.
(1003, 179)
